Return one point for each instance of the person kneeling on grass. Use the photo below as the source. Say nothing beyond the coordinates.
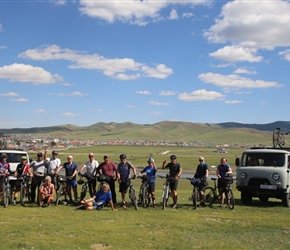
(46, 192)
(99, 200)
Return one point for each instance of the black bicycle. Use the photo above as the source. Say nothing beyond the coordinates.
(6, 190)
(279, 138)
(132, 194)
(25, 189)
(166, 189)
(85, 183)
(61, 189)
(143, 192)
(195, 182)
(212, 195)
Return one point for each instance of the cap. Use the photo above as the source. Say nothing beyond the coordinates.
(123, 156)
(39, 154)
(150, 160)
(172, 157)
(23, 158)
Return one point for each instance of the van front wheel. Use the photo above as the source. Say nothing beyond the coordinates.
(285, 200)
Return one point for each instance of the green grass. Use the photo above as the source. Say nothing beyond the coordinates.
(260, 226)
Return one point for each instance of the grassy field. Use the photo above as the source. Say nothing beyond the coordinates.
(259, 226)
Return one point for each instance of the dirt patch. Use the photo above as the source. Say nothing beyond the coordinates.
(100, 246)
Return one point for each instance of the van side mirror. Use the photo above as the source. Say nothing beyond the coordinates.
(237, 162)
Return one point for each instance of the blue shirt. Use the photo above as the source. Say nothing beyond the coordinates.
(151, 172)
(223, 169)
(69, 169)
(103, 197)
(124, 170)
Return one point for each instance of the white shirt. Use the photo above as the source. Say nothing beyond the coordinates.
(53, 164)
(91, 167)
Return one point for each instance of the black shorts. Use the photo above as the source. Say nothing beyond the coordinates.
(221, 184)
(174, 184)
(151, 187)
(123, 186)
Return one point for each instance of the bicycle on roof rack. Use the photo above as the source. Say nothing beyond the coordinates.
(279, 138)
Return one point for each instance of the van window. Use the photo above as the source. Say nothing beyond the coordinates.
(263, 159)
(14, 158)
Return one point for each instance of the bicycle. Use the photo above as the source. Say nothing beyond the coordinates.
(166, 189)
(25, 189)
(279, 138)
(6, 190)
(61, 188)
(132, 194)
(212, 195)
(195, 191)
(143, 192)
(85, 184)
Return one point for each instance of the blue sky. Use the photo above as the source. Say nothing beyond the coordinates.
(83, 62)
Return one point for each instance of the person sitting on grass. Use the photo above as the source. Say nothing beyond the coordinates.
(99, 200)
(46, 192)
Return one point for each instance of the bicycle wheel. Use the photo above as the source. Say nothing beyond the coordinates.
(84, 191)
(275, 138)
(165, 197)
(144, 196)
(6, 197)
(209, 196)
(194, 197)
(23, 194)
(134, 198)
(58, 194)
(230, 199)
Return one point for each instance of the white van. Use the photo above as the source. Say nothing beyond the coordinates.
(14, 158)
(264, 173)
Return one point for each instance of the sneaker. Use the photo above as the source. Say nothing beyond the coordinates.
(124, 204)
(154, 206)
(201, 204)
(13, 203)
(174, 206)
(221, 205)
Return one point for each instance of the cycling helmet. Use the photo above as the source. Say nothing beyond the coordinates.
(150, 160)
(54, 152)
(23, 158)
(172, 157)
(123, 156)
(3, 155)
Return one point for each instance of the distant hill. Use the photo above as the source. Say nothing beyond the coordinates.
(229, 132)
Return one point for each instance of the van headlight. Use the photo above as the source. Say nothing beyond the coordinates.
(276, 176)
(243, 175)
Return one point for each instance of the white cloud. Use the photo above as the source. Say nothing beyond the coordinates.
(167, 93)
(187, 14)
(201, 95)
(9, 94)
(233, 102)
(245, 71)
(28, 73)
(76, 93)
(40, 111)
(20, 100)
(285, 54)
(3, 47)
(59, 2)
(235, 81)
(119, 68)
(155, 113)
(173, 15)
(1, 28)
(236, 53)
(143, 92)
(130, 106)
(252, 24)
(69, 114)
(138, 12)
(158, 103)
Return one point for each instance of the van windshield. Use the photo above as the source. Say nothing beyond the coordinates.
(14, 157)
(263, 159)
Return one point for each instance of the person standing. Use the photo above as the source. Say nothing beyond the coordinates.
(175, 171)
(38, 170)
(109, 169)
(123, 172)
(4, 170)
(91, 169)
(150, 171)
(21, 170)
(71, 170)
(223, 169)
(202, 171)
(53, 164)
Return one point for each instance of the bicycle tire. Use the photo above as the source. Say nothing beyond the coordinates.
(23, 194)
(134, 198)
(230, 199)
(58, 193)
(194, 197)
(6, 198)
(83, 192)
(144, 196)
(275, 138)
(209, 196)
(165, 197)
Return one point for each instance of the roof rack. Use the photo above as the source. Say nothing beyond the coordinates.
(287, 149)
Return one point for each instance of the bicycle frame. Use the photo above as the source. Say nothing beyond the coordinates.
(279, 138)
(25, 189)
(132, 194)
(143, 192)
(166, 190)
(6, 190)
(61, 189)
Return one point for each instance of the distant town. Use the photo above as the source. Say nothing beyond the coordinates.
(31, 142)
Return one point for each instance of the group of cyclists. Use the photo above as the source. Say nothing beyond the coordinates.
(44, 171)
